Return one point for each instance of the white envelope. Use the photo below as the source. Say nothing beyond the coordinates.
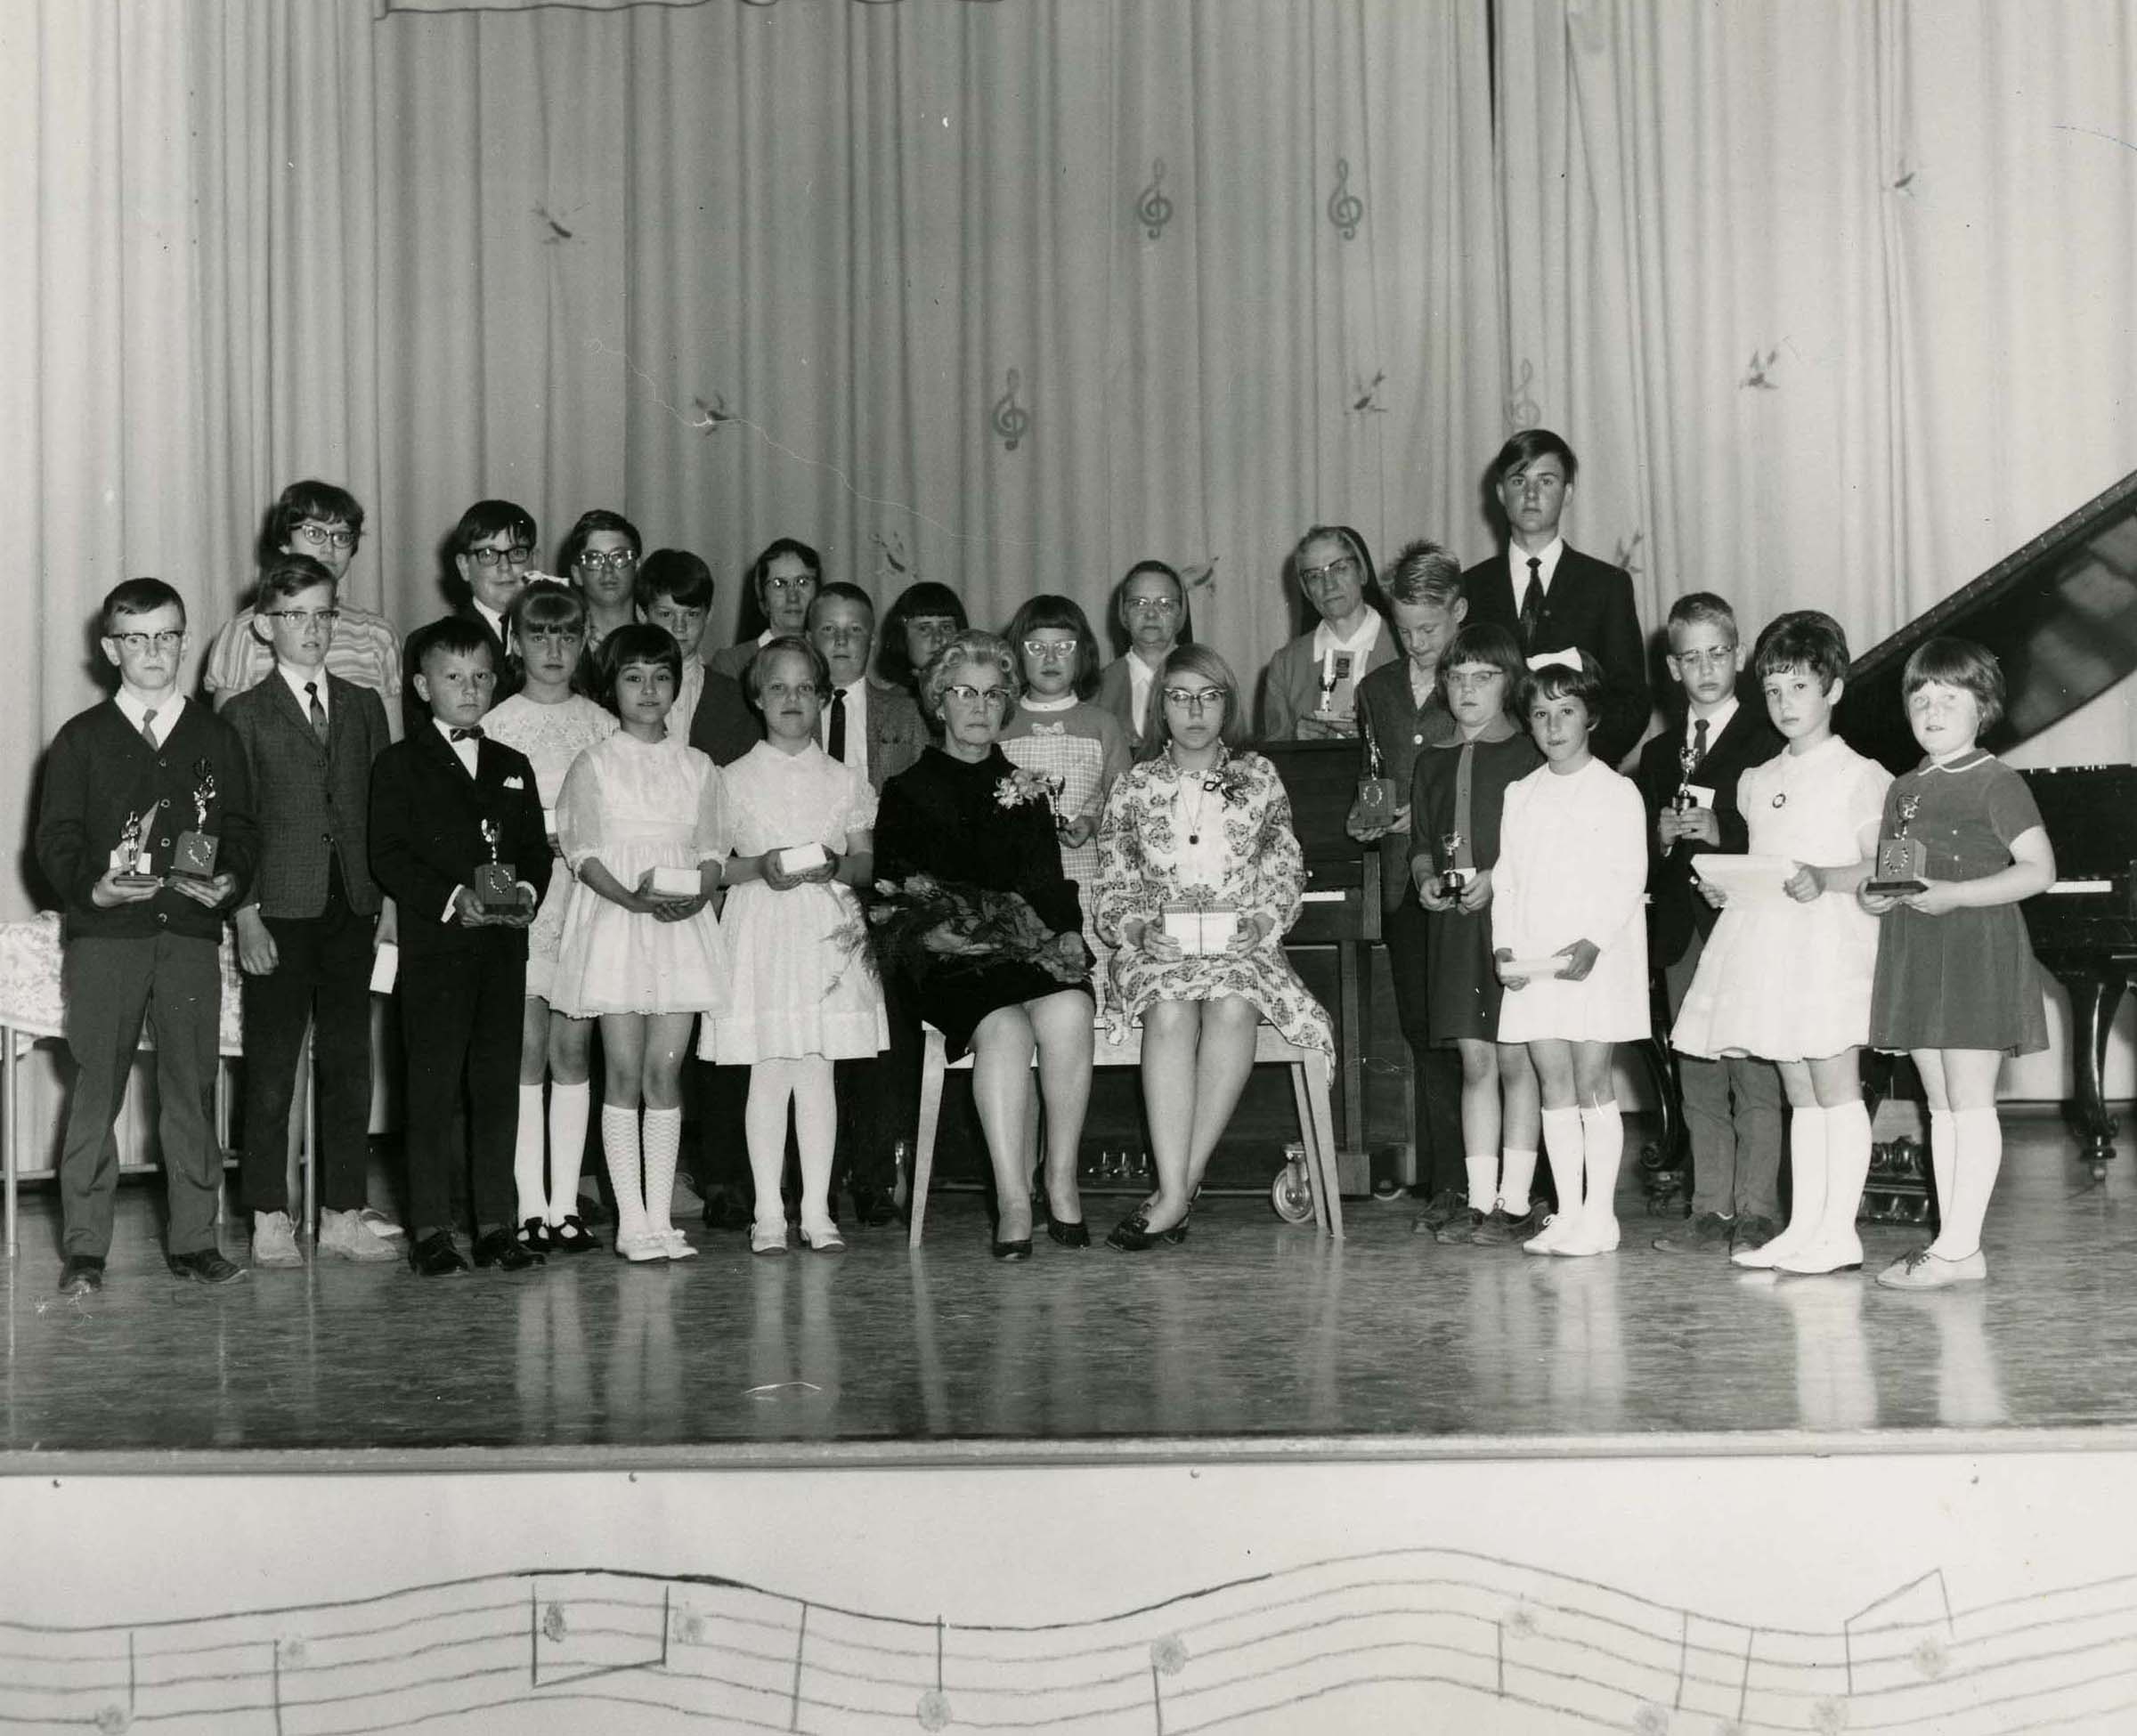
(1746, 878)
(1533, 969)
(385, 967)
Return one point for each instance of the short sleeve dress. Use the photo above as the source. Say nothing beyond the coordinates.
(1220, 837)
(1573, 866)
(798, 983)
(1460, 788)
(947, 817)
(638, 805)
(1790, 981)
(1967, 979)
(551, 736)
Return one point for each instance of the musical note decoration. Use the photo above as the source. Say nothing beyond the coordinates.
(1759, 377)
(1153, 210)
(555, 233)
(1365, 395)
(1522, 412)
(1346, 210)
(1628, 555)
(1011, 419)
(1168, 1656)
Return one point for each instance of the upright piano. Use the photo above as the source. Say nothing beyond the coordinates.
(2061, 614)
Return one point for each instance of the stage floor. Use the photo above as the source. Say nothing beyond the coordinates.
(1255, 1337)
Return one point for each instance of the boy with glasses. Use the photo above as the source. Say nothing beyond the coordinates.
(492, 549)
(135, 789)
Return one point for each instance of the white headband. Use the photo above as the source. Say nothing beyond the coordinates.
(1544, 660)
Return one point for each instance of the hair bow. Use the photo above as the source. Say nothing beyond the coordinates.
(1544, 660)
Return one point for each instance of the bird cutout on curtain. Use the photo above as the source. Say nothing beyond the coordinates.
(1628, 552)
(558, 233)
(1365, 395)
(896, 569)
(711, 417)
(1905, 183)
(1758, 376)
(1202, 576)
(1522, 412)
(1011, 419)
(1153, 210)
(1346, 210)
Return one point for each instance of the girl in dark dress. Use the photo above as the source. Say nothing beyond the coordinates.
(964, 815)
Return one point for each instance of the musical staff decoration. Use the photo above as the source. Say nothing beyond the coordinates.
(1153, 210)
(1011, 420)
(640, 1651)
(1346, 210)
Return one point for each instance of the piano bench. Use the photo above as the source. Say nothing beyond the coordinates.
(1310, 1070)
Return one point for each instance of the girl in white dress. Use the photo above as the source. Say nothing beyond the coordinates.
(1573, 866)
(645, 961)
(550, 722)
(1789, 980)
(798, 993)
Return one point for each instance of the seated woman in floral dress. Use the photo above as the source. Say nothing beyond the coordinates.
(1201, 827)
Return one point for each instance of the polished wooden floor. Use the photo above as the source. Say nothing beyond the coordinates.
(1253, 1332)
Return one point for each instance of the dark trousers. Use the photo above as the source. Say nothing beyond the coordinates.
(1732, 1117)
(460, 1024)
(172, 983)
(1436, 1070)
(723, 1146)
(322, 972)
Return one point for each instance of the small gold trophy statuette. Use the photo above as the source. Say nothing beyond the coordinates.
(496, 884)
(194, 858)
(1901, 860)
(1454, 879)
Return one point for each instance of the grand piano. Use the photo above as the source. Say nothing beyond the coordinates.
(2061, 614)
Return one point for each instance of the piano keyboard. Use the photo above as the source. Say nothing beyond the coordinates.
(2066, 889)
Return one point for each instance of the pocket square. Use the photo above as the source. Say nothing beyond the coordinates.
(515, 782)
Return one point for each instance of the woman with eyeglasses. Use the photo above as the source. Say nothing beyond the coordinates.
(1311, 693)
(925, 617)
(1153, 611)
(966, 816)
(781, 582)
(601, 554)
(1200, 877)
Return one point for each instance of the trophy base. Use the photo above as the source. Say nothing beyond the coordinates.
(1881, 889)
(1452, 886)
(497, 887)
(136, 879)
(195, 857)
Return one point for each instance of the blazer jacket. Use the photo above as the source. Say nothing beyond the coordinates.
(1115, 694)
(896, 733)
(1402, 730)
(427, 839)
(723, 727)
(313, 802)
(1291, 685)
(1589, 608)
(1676, 910)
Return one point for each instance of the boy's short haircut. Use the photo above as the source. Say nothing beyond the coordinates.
(1804, 639)
(788, 644)
(1959, 663)
(290, 575)
(638, 641)
(324, 502)
(1525, 447)
(1487, 641)
(1562, 681)
(676, 575)
(545, 603)
(452, 636)
(600, 518)
(1062, 613)
(139, 597)
(1702, 609)
(1423, 573)
(486, 519)
(838, 591)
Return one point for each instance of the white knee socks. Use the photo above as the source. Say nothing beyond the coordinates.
(663, 1138)
(1806, 1191)
(1518, 1172)
(620, 1147)
(1978, 1160)
(1562, 1146)
(1602, 1139)
(568, 1107)
(526, 1156)
(1834, 1247)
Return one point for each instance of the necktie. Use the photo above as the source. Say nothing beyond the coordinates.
(148, 732)
(1532, 604)
(835, 732)
(474, 733)
(319, 712)
(1699, 739)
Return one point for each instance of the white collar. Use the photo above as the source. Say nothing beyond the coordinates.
(296, 679)
(1716, 721)
(1362, 641)
(1547, 559)
(1068, 702)
(167, 713)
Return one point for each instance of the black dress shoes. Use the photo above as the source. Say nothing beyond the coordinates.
(1076, 1235)
(725, 1209)
(1017, 1250)
(873, 1208)
(1132, 1234)
(206, 1267)
(434, 1256)
(82, 1274)
(499, 1247)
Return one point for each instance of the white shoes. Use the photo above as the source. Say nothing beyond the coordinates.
(676, 1244)
(350, 1236)
(767, 1238)
(274, 1240)
(640, 1246)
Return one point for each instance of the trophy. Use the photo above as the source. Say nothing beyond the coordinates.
(1335, 670)
(194, 859)
(1688, 761)
(131, 858)
(1900, 859)
(1374, 811)
(496, 886)
(1454, 877)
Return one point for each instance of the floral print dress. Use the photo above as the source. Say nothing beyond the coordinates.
(1219, 837)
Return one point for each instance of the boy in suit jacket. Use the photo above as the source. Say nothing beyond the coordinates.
(1688, 777)
(444, 802)
(1555, 598)
(307, 929)
(125, 782)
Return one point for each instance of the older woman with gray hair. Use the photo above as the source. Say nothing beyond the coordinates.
(978, 828)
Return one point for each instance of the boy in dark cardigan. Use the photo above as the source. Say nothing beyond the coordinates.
(124, 783)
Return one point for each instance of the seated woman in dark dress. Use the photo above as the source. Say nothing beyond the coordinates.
(964, 815)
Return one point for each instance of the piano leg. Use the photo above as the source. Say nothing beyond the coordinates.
(1351, 1036)
(2094, 995)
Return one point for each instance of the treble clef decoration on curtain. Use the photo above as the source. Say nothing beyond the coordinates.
(1346, 210)
(1011, 421)
(1153, 210)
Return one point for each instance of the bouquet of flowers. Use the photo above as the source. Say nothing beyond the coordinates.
(922, 925)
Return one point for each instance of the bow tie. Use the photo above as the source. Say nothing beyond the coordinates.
(1050, 729)
(474, 734)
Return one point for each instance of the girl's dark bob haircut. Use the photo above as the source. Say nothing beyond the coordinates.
(1486, 642)
(1959, 663)
(1804, 639)
(639, 642)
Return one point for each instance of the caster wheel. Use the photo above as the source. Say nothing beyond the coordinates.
(1290, 1195)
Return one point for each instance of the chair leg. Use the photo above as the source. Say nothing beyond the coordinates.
(1323, 1146)
(1304, 1099)
(10, 1131)
(935, 1059)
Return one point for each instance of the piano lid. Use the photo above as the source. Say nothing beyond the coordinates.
(2060, 612)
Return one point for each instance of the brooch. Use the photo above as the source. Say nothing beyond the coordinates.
(1780, 798)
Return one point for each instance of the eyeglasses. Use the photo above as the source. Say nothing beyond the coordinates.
(518, 554)
(1341, 565)
(965, 694)
(795, 584)
(298, 620)
(1704, 660)
(613, 560)
(1465, 679)
(551, 634)
(1195, 699)
(138, 643)
(1041, 648)
(1152, 605)
(318, 536)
